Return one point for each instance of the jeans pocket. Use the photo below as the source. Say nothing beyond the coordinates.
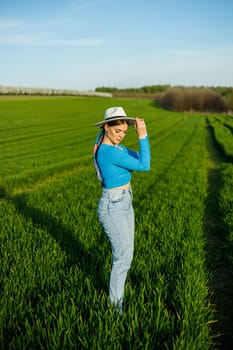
(116, 197)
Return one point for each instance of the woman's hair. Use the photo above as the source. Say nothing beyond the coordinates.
(117, 122)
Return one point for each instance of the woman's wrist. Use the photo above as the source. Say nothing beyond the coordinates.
(142, 136)
(140, 127)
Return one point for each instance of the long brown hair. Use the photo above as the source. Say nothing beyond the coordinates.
(116, 122)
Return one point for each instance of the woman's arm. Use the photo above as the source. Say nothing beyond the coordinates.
(132, 160)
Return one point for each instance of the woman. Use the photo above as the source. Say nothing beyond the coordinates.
(114, 164)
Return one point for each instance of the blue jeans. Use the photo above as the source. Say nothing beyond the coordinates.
(116, 214)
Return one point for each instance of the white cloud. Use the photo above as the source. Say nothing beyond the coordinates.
(37, 40)
(75, 42)
(9, 23)
(208, 52)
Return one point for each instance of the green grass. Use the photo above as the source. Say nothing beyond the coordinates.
(223, 131)
(55, 257)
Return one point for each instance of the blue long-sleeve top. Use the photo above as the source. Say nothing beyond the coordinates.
(116, 163)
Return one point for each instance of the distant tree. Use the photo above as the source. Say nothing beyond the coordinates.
(187, 99)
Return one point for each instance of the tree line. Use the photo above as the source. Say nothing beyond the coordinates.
(27, 91)
(180, 98)
(192, 99)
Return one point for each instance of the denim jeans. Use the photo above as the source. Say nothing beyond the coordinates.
(116, 214)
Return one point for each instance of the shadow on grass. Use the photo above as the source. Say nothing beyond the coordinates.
(217, 250)
(90, 261)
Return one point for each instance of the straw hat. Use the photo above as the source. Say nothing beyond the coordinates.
(115, 113)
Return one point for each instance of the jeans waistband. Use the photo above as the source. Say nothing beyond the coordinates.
(110, 190)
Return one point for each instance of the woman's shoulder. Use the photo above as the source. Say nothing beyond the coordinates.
(111, 149)
(105, 148)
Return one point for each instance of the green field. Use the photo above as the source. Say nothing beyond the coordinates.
(55, 257)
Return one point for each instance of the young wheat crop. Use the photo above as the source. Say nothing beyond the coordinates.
(55, 258)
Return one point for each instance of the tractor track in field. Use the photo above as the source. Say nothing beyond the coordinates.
(221, 284)
(43, 181)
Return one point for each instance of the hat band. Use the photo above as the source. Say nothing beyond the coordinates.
(117, 116)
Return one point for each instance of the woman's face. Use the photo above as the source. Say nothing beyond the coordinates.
(116, 133)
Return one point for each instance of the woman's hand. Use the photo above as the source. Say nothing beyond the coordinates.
(140, 128)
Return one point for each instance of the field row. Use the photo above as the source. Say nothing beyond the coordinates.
(222, 128)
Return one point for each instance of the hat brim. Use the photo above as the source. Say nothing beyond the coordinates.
(128, 119)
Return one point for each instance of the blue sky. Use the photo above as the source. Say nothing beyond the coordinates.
(82, 44)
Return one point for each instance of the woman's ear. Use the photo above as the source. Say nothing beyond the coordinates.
(106, 127)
